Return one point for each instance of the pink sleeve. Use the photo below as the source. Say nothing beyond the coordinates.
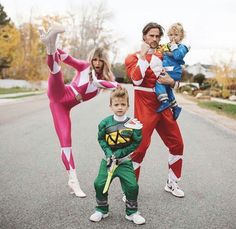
(105, 84)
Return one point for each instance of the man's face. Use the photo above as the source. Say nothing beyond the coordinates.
(152, 38)
(98, 64)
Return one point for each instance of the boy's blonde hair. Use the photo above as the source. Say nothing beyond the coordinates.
(119, 93)
(177, 27)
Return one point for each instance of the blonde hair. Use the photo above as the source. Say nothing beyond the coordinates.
(177, 27)
(102, 55)
(120, 92)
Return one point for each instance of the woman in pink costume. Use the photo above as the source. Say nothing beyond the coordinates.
(90, 78)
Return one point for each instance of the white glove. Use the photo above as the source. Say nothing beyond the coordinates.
(144, 49)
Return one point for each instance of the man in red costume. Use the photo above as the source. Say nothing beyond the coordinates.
(144, 68)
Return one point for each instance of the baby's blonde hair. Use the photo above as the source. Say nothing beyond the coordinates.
(177, 27)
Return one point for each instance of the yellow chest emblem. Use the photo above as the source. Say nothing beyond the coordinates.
(119, 137)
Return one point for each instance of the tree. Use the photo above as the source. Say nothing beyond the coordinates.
(84, 31)
(4, 19)
(5, 40)
(89, 30)
(30, 61)
(199, 78)
(9, 40)
(225, 74)
(120, 73)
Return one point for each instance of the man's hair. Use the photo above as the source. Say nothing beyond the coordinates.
(119, 93)
(153, 25)
(102, 54)
(177, 27)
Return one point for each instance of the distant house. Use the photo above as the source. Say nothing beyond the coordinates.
(201, 69)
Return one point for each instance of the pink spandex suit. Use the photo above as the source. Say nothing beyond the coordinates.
(84, 85)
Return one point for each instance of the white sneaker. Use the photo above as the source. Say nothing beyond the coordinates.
(136, 218)
(97, 216)
(49, 38)
(75, 187)
(174, 189)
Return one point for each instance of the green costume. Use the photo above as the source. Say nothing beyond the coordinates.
(120, 141)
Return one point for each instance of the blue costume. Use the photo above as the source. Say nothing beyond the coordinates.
(172, 61)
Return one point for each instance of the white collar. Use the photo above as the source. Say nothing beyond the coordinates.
(119, 118)
(151, 51)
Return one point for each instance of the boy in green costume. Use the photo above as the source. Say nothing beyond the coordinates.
(118, 136)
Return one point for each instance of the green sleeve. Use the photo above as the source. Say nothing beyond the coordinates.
(136, 140)
(101, 139)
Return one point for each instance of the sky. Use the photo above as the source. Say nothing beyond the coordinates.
(209, 24)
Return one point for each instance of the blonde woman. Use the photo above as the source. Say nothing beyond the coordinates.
(91, 76)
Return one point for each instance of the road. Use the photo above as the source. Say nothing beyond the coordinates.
(33, 190)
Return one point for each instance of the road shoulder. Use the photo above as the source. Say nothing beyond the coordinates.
(211, 116)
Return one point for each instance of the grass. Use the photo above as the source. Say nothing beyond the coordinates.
(221, 108)
(14, 90)
(20, 96)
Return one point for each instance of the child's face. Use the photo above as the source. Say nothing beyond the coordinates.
(175, 36)
(119, 106)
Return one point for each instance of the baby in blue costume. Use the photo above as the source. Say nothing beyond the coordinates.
(173, 55)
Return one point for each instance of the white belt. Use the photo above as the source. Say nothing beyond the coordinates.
(148, 89)
(169, 68)
(123, 159)
(77, 94)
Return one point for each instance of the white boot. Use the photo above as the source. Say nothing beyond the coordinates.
(49, 38)
(74, 185)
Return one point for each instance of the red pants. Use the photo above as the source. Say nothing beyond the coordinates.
(167, 128)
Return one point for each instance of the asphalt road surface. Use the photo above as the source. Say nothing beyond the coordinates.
(33, 181)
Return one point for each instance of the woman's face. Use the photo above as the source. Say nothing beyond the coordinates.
(97, 64)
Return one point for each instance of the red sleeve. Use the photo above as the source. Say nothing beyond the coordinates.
(132, 69)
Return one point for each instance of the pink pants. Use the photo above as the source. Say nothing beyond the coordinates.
(62, 99)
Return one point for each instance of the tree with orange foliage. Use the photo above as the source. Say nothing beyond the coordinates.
(225, 76)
